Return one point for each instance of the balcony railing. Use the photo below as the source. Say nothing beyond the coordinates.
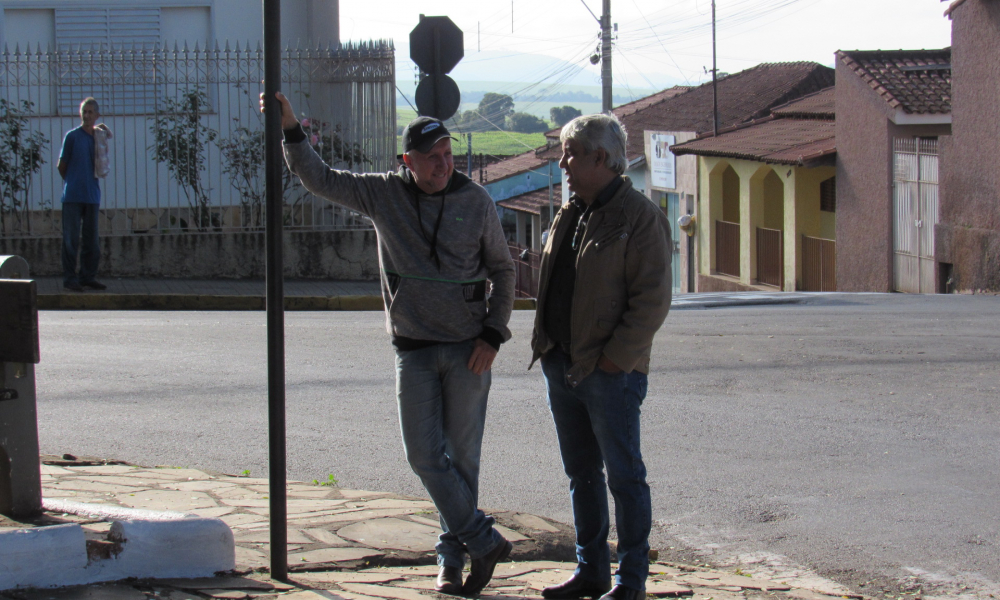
(819, 264)
(770, 257)
(727, 248)
(526, 265)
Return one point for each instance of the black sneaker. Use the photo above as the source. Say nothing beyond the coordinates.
(74, 286)
(95, 285)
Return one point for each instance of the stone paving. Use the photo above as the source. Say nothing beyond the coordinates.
(351, 544)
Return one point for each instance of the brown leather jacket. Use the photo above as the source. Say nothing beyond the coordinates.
(623, 283)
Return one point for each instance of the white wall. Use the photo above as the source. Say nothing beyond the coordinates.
(28, 26)
(303, 22)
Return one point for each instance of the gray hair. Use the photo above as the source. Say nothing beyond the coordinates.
(599, 131)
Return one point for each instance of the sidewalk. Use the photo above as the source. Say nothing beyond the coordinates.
(231, 294)
(351, 544)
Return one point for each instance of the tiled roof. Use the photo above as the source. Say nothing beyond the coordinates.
(642, 103)
(955, 4)
(916, 81)
(743, 96)
(773, 140)
(818, 105)
(534, 202)
(514, 165)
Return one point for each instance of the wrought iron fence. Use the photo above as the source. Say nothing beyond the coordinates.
(187, 152)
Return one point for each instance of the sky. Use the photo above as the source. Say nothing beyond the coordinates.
(659, 43)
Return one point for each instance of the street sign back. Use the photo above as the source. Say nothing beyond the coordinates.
(436, 45)
(438, 96)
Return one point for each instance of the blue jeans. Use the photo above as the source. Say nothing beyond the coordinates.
(75, 214)
(597, 423)
(442, 413)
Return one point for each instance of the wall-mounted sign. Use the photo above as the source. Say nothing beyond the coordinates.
(663, 164)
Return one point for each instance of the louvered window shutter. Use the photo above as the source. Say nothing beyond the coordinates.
(88, 38)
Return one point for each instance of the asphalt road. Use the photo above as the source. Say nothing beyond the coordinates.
(852, 437)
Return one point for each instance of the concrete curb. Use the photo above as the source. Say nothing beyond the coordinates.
(98, 301)
(139, 544)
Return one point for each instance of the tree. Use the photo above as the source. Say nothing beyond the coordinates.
(20, 159)
(526, 123)
(243, 161)
(563, 114)
(495, 108)
(179, 140)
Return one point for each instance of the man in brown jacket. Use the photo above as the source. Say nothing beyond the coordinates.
(604, 291)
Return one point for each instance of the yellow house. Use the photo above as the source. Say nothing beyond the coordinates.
(766, 216)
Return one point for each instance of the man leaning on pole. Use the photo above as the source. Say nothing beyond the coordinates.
(440, 244)
(603, 291)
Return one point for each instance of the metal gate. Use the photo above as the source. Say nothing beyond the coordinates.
(915, 212)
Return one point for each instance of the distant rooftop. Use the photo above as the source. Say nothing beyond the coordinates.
(801, 132)
(535, 202)
(819, 105)
(515, 165)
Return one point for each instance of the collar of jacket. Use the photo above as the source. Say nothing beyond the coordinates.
(614, 191)
(458, 181)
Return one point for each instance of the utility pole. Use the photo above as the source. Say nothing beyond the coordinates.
(469, 153)
(606, 57)
(715, 83)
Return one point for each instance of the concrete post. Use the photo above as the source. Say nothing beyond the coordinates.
(20, 476)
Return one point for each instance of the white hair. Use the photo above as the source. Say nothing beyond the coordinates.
(599, 131)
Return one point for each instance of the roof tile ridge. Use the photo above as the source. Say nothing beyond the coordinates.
(868, 77)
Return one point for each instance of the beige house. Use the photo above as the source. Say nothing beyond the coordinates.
(766, 216)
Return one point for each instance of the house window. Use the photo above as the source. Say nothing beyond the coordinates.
(828, 195)
(94, 45)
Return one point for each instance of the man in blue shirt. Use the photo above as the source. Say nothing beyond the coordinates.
(80, 202)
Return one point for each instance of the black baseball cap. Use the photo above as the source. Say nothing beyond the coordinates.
(422, 133)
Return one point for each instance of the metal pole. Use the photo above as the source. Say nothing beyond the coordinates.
(606, 58)
(715, 83)
(469, 153)
(275, 292)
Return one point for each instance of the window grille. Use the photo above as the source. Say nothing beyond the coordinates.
(828, 195)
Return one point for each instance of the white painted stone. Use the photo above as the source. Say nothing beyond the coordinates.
(56, 556)
(109, 511)
(193, 547)
(38, 557)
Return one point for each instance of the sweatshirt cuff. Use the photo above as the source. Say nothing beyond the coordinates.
(492, 337)
(294, 135)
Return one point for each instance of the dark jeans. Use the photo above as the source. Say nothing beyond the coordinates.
(597, 423)
(75, 215)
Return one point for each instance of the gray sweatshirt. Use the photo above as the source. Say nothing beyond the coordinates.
(434, 287)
